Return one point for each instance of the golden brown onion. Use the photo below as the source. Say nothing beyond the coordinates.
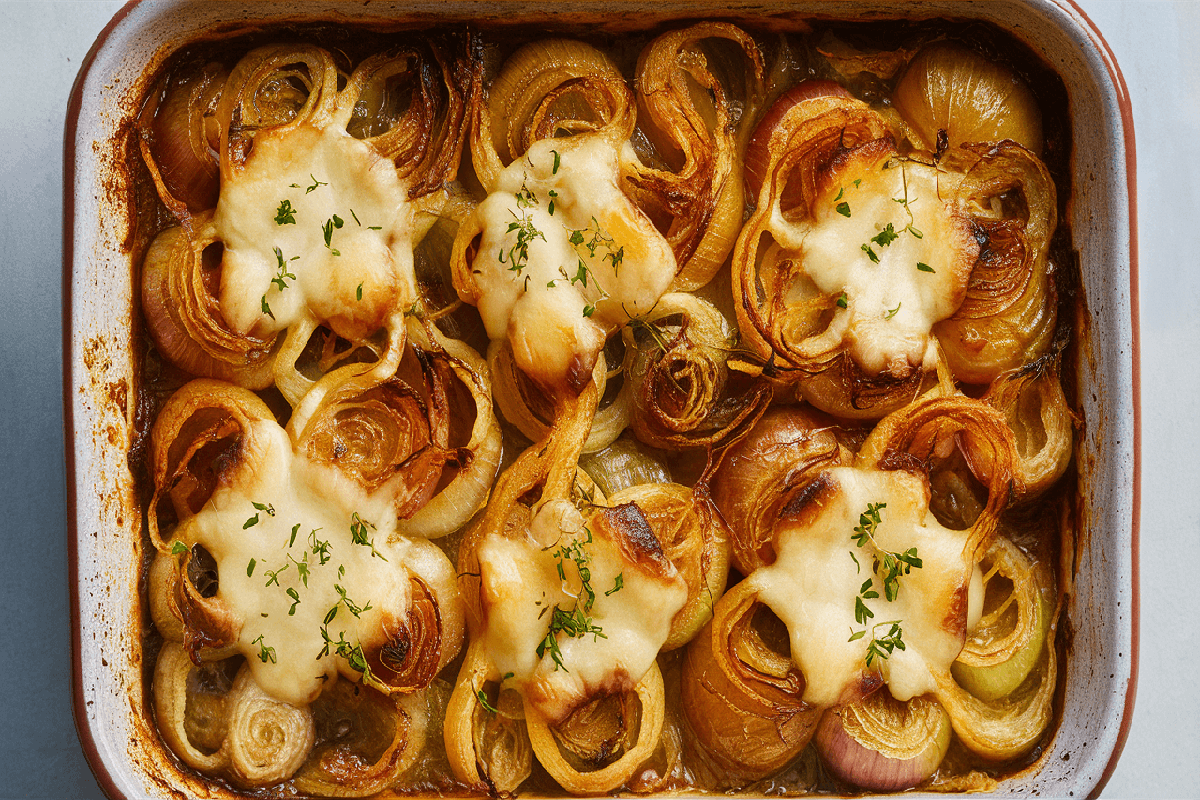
(623, 464)
(1035, 407)
(1007, 319)
(549, 88)
(364, 741)
(973, 99)
(598, 746)
(181, 277)
(180, 139)
(741, 694)
(697, 100)
(191, 705)
(676, 370)
(761, 474)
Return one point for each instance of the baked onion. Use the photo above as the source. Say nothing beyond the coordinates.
(697, 102)
(268, 739)
(952, 92)
(883, 745)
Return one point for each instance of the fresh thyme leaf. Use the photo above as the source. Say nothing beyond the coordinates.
(319, 548)
(893, 311)
(266, 309)
(866, 248)
(295, 530)
(617, 585)
(250, 568)
(358, 292)
(301, 567)
(273, 575)
(841, 191)
(178, 548)
(557, 161)
(285, 214)
(309, 189)
(481, 696)
(923, 267)
(916, 233)
(265, 653)
(292, 593)
(843, 208)
(842, 301)
(358, 534)
(886, 236)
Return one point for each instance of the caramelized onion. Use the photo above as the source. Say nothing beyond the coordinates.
(676, 368)
(487, 747)
(1007, 319)
(973, 99)
(191, 704)
(550, 88)
(696, 106)
(761, 474)
(624, 464)
(364, 741)
(695, 538)
(741, 696)
(1035, 407)
(883, 745)
(602, 743)
(180, 139)
(179, 301)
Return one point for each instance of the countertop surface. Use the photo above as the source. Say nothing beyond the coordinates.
(1156, 47)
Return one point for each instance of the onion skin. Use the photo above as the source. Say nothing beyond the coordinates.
(758, 152)
(883, 745)
(950, 88)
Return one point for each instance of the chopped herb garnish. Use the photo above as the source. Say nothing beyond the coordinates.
(892, 311)
(309, 189)
(178, 548)
(358, 292)
(282, 273)
(295, 530)
(481, 696)
(557, 161)
(319, 548)
(358, 534)
(269, 509)
(355, 216)
(292, 593)
(273, 575)
(354, 609)
(330, 225)
(550, 207)
(882, 647)
(301, 567)
(842, 301)
(843, 208)
(518, 254)
(886, 236)
(866, 248)
(617, 585)
(265, 653)
(285, 214)
(923, 267)
(250, 568)
(266, 309)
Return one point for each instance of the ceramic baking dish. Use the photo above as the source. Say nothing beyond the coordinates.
(101, 347)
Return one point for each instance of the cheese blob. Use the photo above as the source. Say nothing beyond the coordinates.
(565, 257)
(530, 582)
(316, 224)
(285, 545)
(881, 239)
(820, 573)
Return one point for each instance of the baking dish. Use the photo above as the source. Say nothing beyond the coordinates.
(101, 349)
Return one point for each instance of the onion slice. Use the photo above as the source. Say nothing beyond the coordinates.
(883, 745)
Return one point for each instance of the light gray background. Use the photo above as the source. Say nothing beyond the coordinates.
(1157, 45)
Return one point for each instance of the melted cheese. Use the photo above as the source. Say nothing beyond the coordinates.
(322, 173)
(522, 585)
(813, 585)
(539, 308)
(318, 498)
(891, 304)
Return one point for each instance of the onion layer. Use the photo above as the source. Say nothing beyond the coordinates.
(882, 744)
